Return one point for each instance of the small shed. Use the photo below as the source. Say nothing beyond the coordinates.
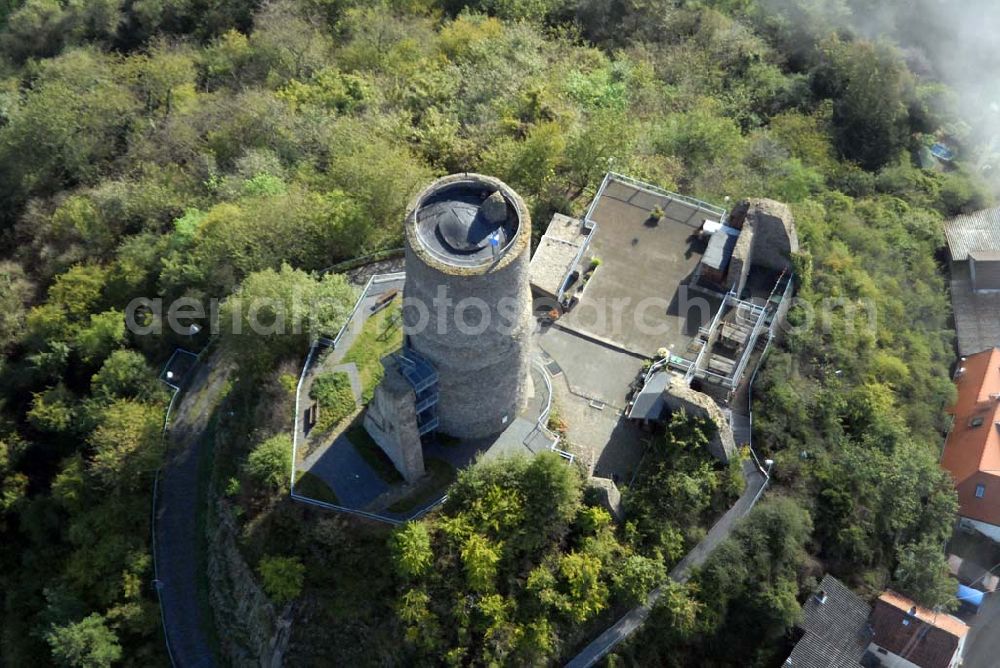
(555, 258)
(715, 261)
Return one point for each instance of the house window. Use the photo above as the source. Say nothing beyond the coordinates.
(980, 491)
(976, 421)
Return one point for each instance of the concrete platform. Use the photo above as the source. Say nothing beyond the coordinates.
(592, 370)
(639, 297)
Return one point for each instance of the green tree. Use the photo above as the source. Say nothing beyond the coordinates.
(480, 558)
(269, 463)
(586, 592)
(412, 552)
(77, 112)
(53, 410)
(922, 574)
(127, 443)
(274, 314)
(88, 643)
(282, 577)
(604, 142)
(528, 165)
(124, 375)
(637, 575)
(78, 290)
(699, 138)
(104, 333)
(422, 626)
(15, 293)
(869, 85)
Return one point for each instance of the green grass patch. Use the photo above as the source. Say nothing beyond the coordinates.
(333, 393)
(311, 485)
(372, 454)
(381, 334)
(441, 476)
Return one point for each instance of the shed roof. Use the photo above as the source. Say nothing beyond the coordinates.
(836, 631)
(971, 232)
(720, 248)
(926, 638)
(649, 403)
(556, 253)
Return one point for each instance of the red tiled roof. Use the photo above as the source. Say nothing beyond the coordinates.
(926, 638)
(972, 453)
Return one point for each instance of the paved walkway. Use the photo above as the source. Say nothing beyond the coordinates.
(632, 620)
(346, 472)
(177, 543)
(593, 370)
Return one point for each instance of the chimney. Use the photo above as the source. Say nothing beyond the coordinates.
(821, 596)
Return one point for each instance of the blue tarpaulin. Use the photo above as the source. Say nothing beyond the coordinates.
(970, 595)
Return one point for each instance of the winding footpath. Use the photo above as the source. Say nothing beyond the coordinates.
(634, 618)
(176, 539)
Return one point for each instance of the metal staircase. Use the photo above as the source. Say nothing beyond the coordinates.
(423, 378)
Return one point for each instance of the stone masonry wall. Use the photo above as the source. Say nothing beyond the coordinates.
(250, 631)
(679, 396)
(391, 421)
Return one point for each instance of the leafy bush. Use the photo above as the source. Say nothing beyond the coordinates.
(88, 643)
(282, 577)
(269, 464)
(333, 393)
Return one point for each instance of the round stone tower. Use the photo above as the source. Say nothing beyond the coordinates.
(467, 302)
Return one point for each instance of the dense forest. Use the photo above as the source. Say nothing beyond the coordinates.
(187, 148)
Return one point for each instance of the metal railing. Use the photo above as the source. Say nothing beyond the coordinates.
(354, 263)
(297, 425)
(588, 219)
(656, 190)
(157, 585)
(541, 424)
(344, 509)
(372, 280)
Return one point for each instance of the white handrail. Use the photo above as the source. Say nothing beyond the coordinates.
(295, 424)
(656, 190)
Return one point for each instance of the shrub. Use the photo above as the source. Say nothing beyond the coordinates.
(335, 397)
(282, 577)
(89, 642)
(270, 462)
